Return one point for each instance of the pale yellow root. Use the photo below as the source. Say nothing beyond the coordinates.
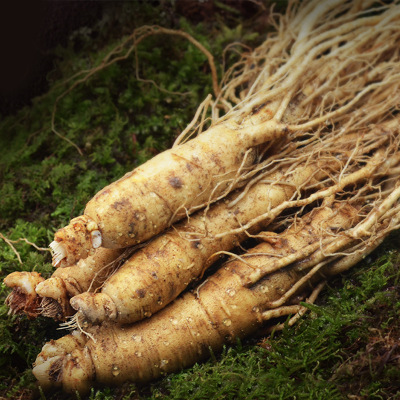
(182, 253)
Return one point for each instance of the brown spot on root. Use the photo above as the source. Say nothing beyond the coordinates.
(131, 228)
(172, 290)
(55, 371)
(121, 204)
(258, 108)
(154, 275)
(189, 167)
(141, 293)
(216, 159)
(195, 244)
(175, 182)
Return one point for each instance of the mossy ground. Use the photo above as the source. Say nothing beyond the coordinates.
(348, 344)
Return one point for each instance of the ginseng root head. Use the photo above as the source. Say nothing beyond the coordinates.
(75, 241)
(72, 371)
(48, 372)
(55, 299)
(23, 298)
(95, 307)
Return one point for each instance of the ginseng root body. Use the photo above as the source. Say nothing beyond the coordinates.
(156, 274)
(230, 304)
(147, 200)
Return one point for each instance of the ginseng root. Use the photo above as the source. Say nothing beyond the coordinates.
(161, 270)
(308, 146)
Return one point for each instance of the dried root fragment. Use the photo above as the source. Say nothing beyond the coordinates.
(23, 298)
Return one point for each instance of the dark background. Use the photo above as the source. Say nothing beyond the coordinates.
(28, 32)
(31, 29)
